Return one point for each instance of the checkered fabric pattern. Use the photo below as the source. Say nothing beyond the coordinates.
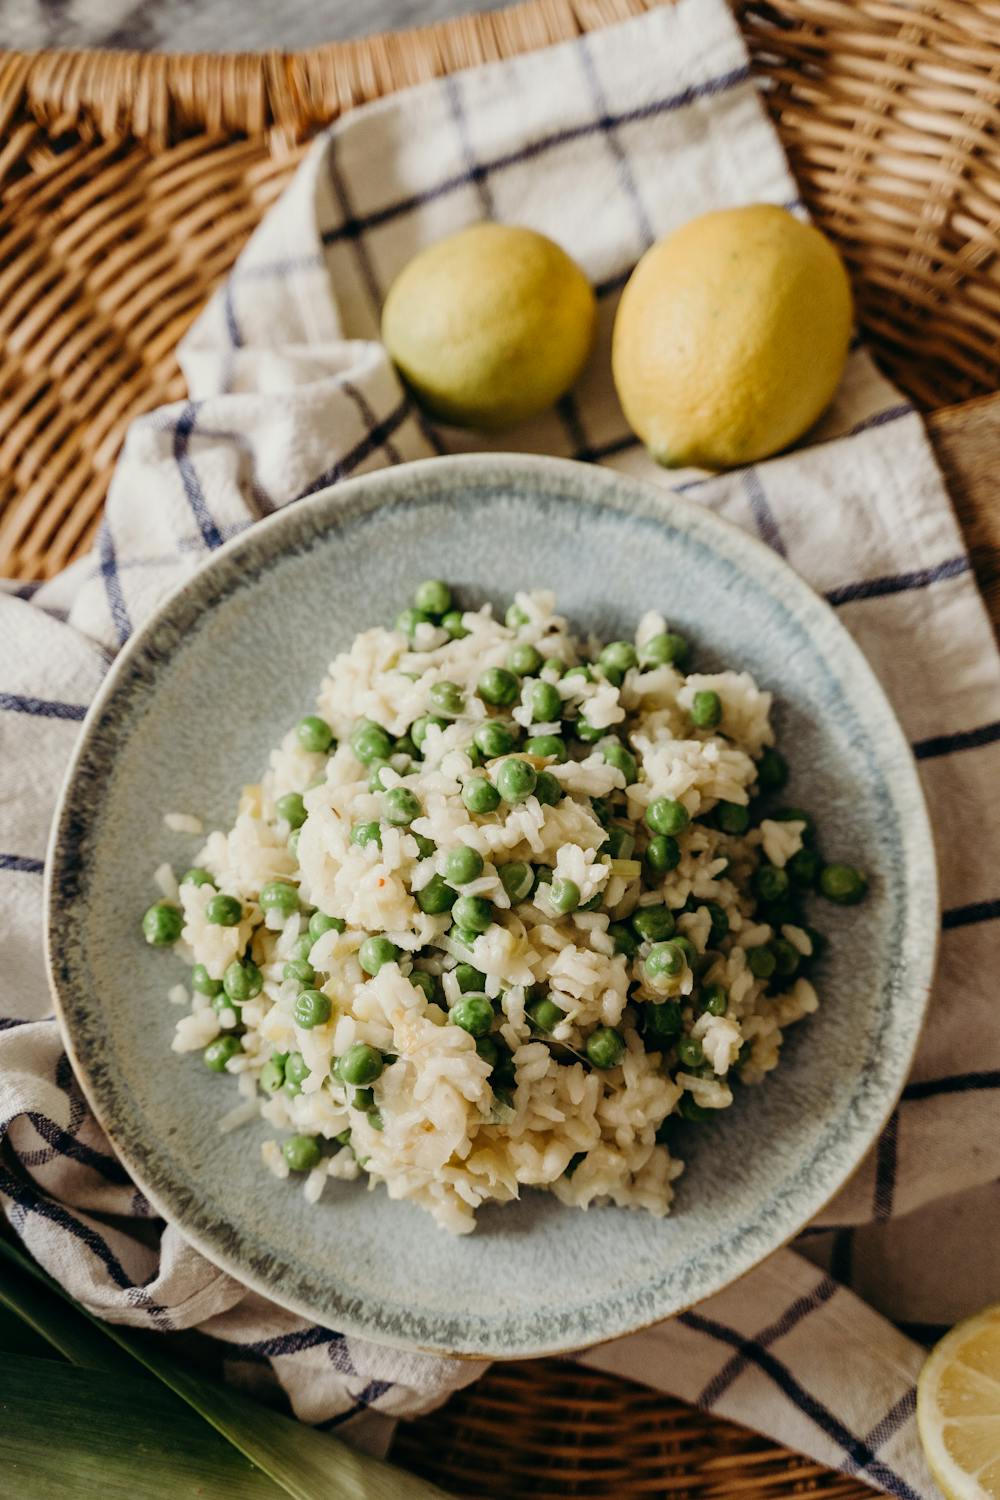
(605, 143)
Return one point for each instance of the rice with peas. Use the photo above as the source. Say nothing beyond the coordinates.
(501, 912)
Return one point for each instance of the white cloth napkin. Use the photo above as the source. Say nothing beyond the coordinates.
(604, 143)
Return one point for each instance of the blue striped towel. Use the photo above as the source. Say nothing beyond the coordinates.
(605, 143)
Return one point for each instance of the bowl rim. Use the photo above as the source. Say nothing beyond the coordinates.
(342, 503)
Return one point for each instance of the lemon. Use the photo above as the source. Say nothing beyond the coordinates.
(731, 337)
(958, 1409)
(489, 326)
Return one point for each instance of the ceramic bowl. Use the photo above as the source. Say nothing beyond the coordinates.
(188, 714)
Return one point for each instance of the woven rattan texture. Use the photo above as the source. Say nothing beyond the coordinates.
(548, 1430)
(128, 184)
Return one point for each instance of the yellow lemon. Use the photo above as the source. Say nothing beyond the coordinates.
(731, 337)
(489, 326)
(958, 1409)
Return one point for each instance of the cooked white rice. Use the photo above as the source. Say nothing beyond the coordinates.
(446, 1127)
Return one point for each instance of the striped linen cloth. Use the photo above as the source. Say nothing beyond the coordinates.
(604, 143)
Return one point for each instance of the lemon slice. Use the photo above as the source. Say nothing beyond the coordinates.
(958, 1409)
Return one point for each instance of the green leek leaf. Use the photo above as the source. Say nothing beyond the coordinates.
(59, 1324)
(306, 1464)
(71, 1434)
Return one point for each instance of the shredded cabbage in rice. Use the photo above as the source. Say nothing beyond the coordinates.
(616, 987)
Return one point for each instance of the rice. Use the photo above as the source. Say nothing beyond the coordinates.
(550, 1026)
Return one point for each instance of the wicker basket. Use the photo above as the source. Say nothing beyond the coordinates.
(129, 183)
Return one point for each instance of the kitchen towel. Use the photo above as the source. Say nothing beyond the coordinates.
(605, 143)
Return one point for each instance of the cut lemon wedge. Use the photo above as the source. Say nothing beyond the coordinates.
(958, 1409)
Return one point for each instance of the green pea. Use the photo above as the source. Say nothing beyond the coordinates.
(843, 884)
(786, 958)
(376, 951)
(494, 738)
(772, 770)
(498, 686)
(452, 622)
(224, 911)
(302, 947)
(605, 1048)
(473, 1013)
(517, 880)
(515, 617)
(278, 895)
(242, 980)
(419, 728)
(400, 807)
(586, 731)
(296, 1070)
(690, 1052)
(218, 1053)
(363, 1099)
(690, 1109)
(487, 1049)
(360, 1064)
(480, 795)
(462, 865)
(162, 923)
(470, 979)
(551, 746)
(314, 734)
(312, 1008)
(223, 1006)
(403, 745)
(714, 1000)
(433, 597)
(770, 883)
(662, 854)
(546, 704)
(425, 846)
(319, 923)
(291, 809)
(623, 760)
(436, 897)
(202, 981)
(300, 970)
(369, 741)
(474, 913)
(803, 868)
(665, 960)
(408, 619)
(663, 649)
(661, 1023)
(426, 983)
(301, 1152)
(524, 659)
(620, 842)
(624, 939)
(464, 936)
(581, 671)
(272, 1075)
(706, 709)
(719, 921)
(343, 1138)
(293, 842)
(375, 782)
(548, 789)
(601, 808)
(366, 833)
(545, 1014)
(732, 818)
(447, 699)
(761, 962)
(615, 660)
(475, 754)
(564, 895)
(654, 923)
(515, 780)
(197, 876)
(666, 815)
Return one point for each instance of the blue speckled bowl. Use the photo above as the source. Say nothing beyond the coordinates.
(187, 716)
